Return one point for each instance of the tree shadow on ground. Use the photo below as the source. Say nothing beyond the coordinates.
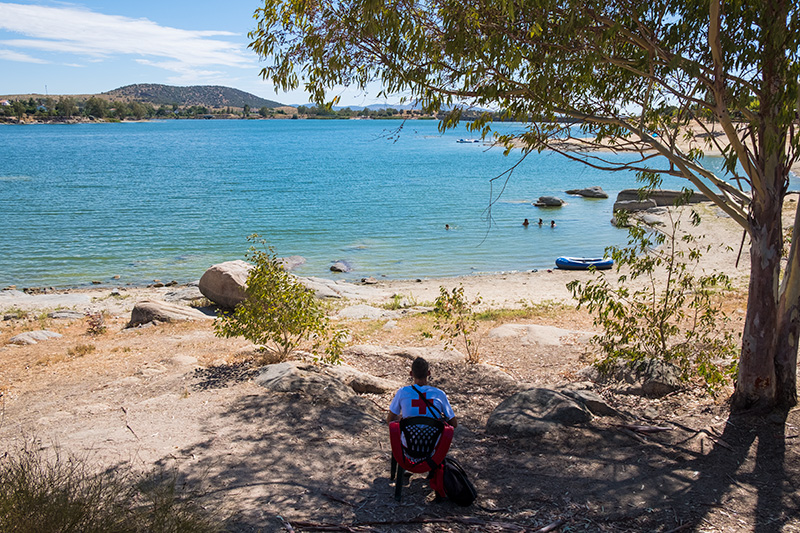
(734, 470)
(308, 458)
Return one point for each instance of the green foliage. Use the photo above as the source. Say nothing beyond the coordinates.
(57, 494)
(455, 318)
(16, 312)
(279, 312)
(400, 301)
(659, 308)
(546, 308)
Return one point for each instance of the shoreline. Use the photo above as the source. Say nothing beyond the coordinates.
(496, 290)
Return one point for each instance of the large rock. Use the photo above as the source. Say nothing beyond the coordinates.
(662, 197)
(327, 288)
(292, 377)
(648, 377)
(361, 382)
(634, 205)
(186, 295)
(534, 412)
(548, 201)
(589, 192)
(152, 310)
(34, 337)
(225, 283)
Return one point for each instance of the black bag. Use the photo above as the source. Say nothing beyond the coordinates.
(457, 486)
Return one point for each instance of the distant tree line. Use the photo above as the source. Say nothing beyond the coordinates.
(66, 107)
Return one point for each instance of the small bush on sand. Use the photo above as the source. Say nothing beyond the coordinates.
(46, 492)
(455, 319)
(279, 312)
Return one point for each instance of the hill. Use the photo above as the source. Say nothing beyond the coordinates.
(204, 95)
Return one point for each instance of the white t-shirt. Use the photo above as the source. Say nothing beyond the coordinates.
(407, 402)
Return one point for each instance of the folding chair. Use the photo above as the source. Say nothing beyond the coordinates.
(419, 445)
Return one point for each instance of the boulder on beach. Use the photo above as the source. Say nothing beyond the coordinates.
(549, 201)
(661, 197)
(225, 283)
(594, 191)
(34, 337)
(151, 310)
(634, 205)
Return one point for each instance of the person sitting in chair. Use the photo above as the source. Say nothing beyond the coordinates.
(421, 399)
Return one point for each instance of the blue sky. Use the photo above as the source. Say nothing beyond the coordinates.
(94, 46)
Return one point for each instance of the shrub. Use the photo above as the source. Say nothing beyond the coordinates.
(455, 318)
(676, 320)
(40, 494)
(279, 312)
(96, 324)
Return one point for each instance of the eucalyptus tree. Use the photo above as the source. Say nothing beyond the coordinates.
(637, 76)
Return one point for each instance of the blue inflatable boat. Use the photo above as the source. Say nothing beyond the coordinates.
(583, 263)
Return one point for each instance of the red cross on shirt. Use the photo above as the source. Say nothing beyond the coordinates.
(420, 403)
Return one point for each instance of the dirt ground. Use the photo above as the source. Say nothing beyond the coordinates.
(176, 396)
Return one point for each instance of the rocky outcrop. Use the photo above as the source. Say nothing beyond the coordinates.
(156, 311)
(628, 199)
(291, 377)
(634, 205)
(34, 337)
(535, 412)
(335, 289)
(548, 201)
(225, 283)
(361, 382)
(589, 192)
(648, 377)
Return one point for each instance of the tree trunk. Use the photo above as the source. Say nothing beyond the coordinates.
(789, 325)
(756, 386)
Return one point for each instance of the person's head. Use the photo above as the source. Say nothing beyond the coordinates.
(420, 369)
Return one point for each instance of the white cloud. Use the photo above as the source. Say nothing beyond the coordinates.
(11, 55)
(97, 36)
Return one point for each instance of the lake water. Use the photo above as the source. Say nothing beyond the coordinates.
(167, 199)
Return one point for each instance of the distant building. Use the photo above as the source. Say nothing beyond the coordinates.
(5, 103)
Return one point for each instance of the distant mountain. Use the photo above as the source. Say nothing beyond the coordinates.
(202, 95)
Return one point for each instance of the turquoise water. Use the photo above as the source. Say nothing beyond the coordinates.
(167, 199)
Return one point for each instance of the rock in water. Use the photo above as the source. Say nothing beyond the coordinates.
(589, 192)
(549, 201)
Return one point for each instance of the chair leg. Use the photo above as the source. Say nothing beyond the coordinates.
(393, 468)
(398, 484)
